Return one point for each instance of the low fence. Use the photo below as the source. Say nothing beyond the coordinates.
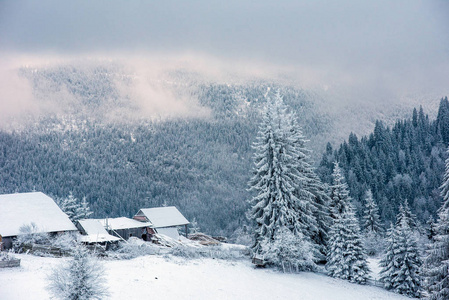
(10, 263)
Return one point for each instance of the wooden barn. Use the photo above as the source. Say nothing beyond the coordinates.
(165, 220)
(93, 232)
(17, 210)
(125, 228)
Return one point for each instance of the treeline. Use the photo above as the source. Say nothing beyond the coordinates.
(404, 162)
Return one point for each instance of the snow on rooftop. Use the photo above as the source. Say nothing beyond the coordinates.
(123, 223)
(95, 232)
(164, 216)
(25, 208)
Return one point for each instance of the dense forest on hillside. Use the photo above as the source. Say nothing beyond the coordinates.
(96, 145)
(202, 165)
(404, 162)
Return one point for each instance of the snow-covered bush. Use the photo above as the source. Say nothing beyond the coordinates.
(81, 278)
(29, 235)
(66, 241)
(135, 247)
(373, 243)
(5, 256)
(242, 237)
(289, 252)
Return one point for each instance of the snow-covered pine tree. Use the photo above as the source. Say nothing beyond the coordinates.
(339, 193)
(82, 278)
(278, 204)
(194, 227)
(83, 210)
(401, 264)
(312, 193)
(70, 207)
(388, 263)
(346, 257)
(406, 214)
(371, 219)
(372, 238)
(436, 263)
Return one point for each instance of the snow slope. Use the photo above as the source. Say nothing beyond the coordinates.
(157, 277)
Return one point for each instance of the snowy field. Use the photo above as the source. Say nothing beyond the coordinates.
(156, 277)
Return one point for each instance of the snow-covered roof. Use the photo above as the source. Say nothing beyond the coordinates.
(163, 216)
(21, 209)
(95, 232)
(123, 223)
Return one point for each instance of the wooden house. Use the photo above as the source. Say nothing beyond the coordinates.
(165, 220)
(125, 228)
(17, 210)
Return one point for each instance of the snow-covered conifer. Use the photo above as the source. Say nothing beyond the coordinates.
(82, 278)
(436, 263)
(83, 210)
(401, 263)
(312, 193)
(406, 215)
(371, 219)
(339, 193)
(194, 227)
(70, 207)
(280, 202)
(346, 257)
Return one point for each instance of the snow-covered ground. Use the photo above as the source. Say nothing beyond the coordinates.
(158, 277)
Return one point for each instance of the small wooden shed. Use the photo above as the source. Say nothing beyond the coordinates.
(93, 232)
(165, 220)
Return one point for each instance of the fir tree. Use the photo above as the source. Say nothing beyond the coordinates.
(279, 204)
(406, 215)
(81, 279)
(346, 257)
(83, 210)
(70, 207)
(436, 263)
(371, 219)
(401, 262)
(339, 193)
(312, 193)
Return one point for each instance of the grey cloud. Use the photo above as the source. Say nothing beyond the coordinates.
(389, 45)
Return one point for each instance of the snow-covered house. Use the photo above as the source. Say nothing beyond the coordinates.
(165, 220)
(93, 232)
(125, 227)
(17, 210)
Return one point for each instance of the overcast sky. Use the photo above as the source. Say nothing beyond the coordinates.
(403, 42)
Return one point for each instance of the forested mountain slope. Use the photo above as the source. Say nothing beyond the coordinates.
(404, 162)
(96, 143)
(126, 141)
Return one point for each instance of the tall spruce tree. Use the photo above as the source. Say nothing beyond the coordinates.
(346, 257)
(83, 210)
(436, 263)
(312, 192)
(371, 219)
(339, 193)
(279, 203)
(400, 266)
(70, 206)
(406, 215)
